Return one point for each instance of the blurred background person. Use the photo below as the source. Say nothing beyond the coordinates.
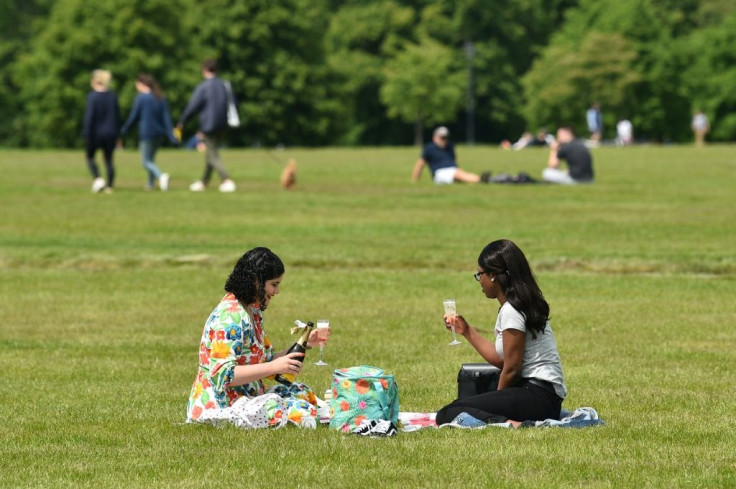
(526, 140)
(575, 153)
(594, 118)
(101, 128)
(196, 142)
(210, 100)
(624, 132)
(151, 113)
(700, 127)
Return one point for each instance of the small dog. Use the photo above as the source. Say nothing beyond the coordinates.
(288, 175)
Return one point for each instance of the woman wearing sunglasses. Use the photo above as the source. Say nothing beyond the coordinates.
(531, 384)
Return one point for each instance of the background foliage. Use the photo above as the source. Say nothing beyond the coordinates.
(324, 72)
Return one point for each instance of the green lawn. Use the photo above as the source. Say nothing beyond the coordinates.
(103, 299)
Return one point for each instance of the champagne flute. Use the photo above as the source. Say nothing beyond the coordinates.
(323, 328)
(451, 311)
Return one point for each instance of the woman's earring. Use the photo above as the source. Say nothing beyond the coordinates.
(493, 279)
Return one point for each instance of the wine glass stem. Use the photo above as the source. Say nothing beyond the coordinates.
(454, 338)
(321, 349)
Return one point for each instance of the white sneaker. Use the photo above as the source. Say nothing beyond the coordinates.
(227, 186)
(197, 186)
(98, 185)
(163, 182)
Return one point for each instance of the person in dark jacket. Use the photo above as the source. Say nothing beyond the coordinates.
(210, 100)
(151, 112)
(101, 128)
(573, 151)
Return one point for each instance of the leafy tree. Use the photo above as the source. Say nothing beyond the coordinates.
(565, 80)
(424, 85)
(506, 36)
(658, 107)
(360, 39)
(124, 36)
(354, 72)
(17, 22)
(272, 51)
(710, 75)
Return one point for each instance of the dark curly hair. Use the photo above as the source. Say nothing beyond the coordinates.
(508, 265)
(250, 274)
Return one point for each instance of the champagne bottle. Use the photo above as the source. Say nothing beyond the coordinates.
(299, 347)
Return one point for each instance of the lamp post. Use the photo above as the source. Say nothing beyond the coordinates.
(469, 49)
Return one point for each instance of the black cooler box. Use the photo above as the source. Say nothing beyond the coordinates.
(476, 378)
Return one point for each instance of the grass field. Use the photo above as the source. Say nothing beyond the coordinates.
(103, 298)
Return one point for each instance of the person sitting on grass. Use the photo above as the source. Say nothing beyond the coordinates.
(439, 156)
(235, 356)
(577, 155)
(531, 385)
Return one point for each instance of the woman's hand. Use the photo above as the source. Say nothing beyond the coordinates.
(288, 364)
(461, 325)
(319, 335)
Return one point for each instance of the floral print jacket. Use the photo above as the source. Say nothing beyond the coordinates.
(231, 337)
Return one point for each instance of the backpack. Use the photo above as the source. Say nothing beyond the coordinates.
(477, 378)
(360, 393)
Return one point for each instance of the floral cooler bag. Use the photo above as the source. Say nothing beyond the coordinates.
(362, 393)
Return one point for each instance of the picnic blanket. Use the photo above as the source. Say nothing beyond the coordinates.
(580, 418)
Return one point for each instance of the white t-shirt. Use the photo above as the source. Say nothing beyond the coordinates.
(624, 129)
(700, 122)
(541, 359)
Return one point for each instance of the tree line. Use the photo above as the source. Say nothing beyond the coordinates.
(357, 72)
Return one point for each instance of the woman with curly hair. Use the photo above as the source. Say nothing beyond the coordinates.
(235, 355)
(531, 385)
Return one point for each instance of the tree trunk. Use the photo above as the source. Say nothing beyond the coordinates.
(418, 126)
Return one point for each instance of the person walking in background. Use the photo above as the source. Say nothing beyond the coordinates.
(210, 100)
(700, 127)
(578, 157)
(439, 156)
(151, 112)
(594, 118)
(101, 128)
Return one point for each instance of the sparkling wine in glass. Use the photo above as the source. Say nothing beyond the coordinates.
(451, 311)
(323, 329)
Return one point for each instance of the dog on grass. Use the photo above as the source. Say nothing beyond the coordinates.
(288, 175)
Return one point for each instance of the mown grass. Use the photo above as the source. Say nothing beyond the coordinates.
(103, 297)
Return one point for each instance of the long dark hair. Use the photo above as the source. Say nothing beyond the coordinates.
(508, 265)
(150, 82)
(248, 279)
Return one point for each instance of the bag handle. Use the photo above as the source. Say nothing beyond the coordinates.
(385, 409)
(229, 90)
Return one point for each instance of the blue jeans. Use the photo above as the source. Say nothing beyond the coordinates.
(148, 148)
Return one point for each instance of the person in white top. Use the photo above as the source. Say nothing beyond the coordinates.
(531, 384)
(700, 127)
(624, 132)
